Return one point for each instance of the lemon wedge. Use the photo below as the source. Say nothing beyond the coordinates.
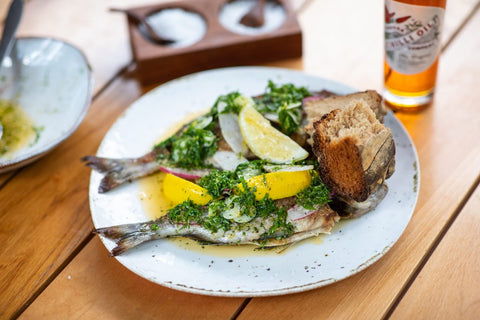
(279, 185)
(265, 141)
(178, 190)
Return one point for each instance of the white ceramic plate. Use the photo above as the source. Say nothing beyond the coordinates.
(52, 82)
(351, 247)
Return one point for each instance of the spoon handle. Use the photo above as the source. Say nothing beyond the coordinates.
(11, 24)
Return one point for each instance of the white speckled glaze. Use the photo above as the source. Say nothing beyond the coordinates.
(351, 247)
(52, 82)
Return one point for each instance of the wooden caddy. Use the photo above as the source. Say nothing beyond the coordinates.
(218, 48)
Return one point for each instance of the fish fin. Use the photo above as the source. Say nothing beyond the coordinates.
(130, 242)
(126, 237)
(119, 171)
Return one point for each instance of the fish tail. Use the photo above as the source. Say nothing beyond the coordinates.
(127, 236)
(119, 171)
(130, 242)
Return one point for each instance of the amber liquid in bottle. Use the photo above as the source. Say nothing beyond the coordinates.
(410, 92)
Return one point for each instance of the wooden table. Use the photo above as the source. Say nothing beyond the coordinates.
(53, 267)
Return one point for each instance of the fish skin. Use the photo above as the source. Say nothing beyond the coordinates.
(128, 236)
(119, 171)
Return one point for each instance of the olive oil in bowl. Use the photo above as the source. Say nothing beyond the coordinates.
(18, 129)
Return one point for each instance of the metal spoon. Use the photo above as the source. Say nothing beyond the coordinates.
(11, 23)
(255, 17)
(152, 35)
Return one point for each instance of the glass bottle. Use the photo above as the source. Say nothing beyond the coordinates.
(412, 47)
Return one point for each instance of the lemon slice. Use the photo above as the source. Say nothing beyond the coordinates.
(265, 141)
(178, 190)
(279, 185)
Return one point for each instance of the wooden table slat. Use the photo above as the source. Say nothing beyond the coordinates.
(41, 229)
(44, 215)
(448, 287)
(96, 286)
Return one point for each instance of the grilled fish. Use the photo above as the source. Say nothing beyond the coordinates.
(306, 224)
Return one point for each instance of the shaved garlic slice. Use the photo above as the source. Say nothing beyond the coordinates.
(288, 168)
(231, 130)
(226, 160)
(272, 117)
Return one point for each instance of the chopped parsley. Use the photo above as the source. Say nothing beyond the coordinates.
(232, 212)
(191, 146)
(231, 105)
(233, 206)
(285, 101)
(250, 169)
(185, 213)
(216, 222)
(314, 196)
(218, 181)
(280, 228)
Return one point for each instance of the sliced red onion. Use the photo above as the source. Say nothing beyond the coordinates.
(286, 168)
(319, 95)
(298, 212)
(185, 173)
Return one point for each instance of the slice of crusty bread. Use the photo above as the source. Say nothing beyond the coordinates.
(356, 152)
(317, 108)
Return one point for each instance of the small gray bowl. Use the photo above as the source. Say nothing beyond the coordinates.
(52, 82)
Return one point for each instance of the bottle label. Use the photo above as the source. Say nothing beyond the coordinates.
(412, 36)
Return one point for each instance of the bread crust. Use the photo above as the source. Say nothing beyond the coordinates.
(353, 167)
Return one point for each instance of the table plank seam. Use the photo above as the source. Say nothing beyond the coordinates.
(54, 275)
(121, 72)
(461, 26)
(432, 248)
(12, 175)
(240, 308)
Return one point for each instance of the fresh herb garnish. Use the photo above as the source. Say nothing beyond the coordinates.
(218, 181)
(250, 169)
(281, 228)
(314, 196)
(229, 104)
(216, 222)
(265, 207)
(285, 101)
(191, 146)
(185, 213)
